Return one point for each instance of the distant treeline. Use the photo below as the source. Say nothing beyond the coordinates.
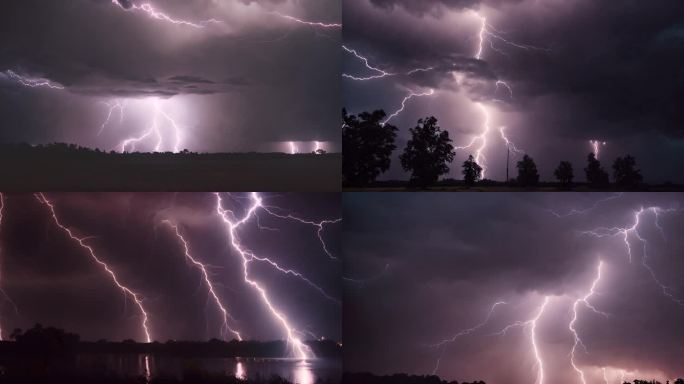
(60, 167)
(368, 145)
(50, 341)
(397, 378)
(402, 378)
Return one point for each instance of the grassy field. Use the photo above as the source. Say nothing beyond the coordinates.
(45, 169)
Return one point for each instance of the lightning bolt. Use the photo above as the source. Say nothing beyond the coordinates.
(113, 106)
(362, 282)
(81, 242)
(462, 333)
(585, 302)
(293, 148)
(596, 146)
(307, 22)
(403, 104)
(225, 327)
(130, 144)
(503, 84)
(481, 138)
(32, 82)
(509, 144)
(318, 225)
(153, 13)
(574, 211)
(379, 73)
(232, 226)
(488, 34)
(633, 230)
(532, 325)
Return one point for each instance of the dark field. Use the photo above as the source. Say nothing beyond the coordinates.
(61, 167)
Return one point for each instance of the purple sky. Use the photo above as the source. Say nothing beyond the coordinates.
(577, 70)
(53, 281)
(239, 76)
(422, 268)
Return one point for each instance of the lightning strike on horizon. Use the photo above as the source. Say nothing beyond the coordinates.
(479, 157)
(153, 13)
(232, 225)
(605, 377)
(32, 82)
(293, 148)
(577, 340)
(462, 333)
(532, 324)
(81, 242)
(317, 146)
(131, 143)
(625, 232)
(225, 327)
(403, 104)
(596, 146)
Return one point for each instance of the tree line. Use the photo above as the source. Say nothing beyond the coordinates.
(368, 144)
(402, 378)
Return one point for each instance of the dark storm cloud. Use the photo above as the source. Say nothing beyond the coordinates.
(594, 70)
(249, 61)
(451, 257)
(55, 282)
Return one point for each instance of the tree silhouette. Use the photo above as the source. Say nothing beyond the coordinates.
(596, 176)
(367, 146)
(564, 173)
(625, 173)
(472, 172)
(527, 172)
(427, 153)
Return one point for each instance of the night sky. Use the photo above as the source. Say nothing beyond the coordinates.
(421, 268)
(53, 281)
(578, 70)
(239, 76)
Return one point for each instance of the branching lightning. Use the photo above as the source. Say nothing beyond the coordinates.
(633, 230)
(403, 104)
(32, 82)
(308, 22)
(577, 340)
(160, 119)
(462, 333)
(575, 211)
(113, 106)
(233, 224)
(81, 242)
(532, 325)
(225, 327)
(481, 138)
(153, 13)
(379, 73)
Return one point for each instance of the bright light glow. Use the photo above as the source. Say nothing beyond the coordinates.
(233, 224)
(162, 126)
(596, 146)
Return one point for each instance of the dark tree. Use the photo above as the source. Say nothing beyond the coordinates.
(564, 173)
(527, 172)
(472, 172)
(428, 153)
(367, 147)
(596, 175)
(625, 173)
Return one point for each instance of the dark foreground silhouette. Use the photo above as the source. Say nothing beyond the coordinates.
(51, 355)
(59, 167)
(402, 378)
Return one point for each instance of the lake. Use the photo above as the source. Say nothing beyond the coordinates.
(294, 370)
